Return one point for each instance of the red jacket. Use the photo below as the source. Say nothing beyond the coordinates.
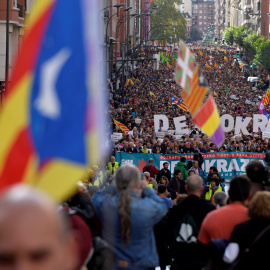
(151, 169)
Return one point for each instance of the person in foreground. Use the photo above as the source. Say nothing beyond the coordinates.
(128, 220)
(33, 234)
(249, 243)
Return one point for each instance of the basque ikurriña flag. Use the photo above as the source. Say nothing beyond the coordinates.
(52, 122)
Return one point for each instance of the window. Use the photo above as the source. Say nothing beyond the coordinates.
(187, 28)
(204, 23)
(200, 11)
(200, 17)
(205, 11)
(200, 5)
(200, 23)
(14, 3)
(205, 5)
(205, 17)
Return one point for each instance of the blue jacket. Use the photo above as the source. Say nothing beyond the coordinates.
(145, 213)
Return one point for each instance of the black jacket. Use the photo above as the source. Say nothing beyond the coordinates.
(163, 173)
(186, 256)
(172, 187)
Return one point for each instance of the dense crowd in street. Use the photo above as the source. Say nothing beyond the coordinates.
(125, 218)
(234, 95)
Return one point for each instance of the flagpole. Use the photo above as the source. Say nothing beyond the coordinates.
(7, 48)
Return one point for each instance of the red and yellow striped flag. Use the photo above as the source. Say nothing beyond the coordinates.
(122, 127)
(266, 98)
(183, 106)
(216, 65)
(197, 94)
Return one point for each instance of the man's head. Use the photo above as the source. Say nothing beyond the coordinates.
(239, 189)
(177, 175)
(162, 191)
(195, 164)
(33, 234)
(183, 159)
(151, 161)
(194, 185)
(255, 171)
(112, 159)
(220, 199)
(166, 165)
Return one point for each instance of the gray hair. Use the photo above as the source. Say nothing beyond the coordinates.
(220, 198)
(127, 177)
(194, 183)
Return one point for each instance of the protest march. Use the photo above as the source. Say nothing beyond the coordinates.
(157, 158)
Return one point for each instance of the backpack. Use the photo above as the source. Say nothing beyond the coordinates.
(186, 230)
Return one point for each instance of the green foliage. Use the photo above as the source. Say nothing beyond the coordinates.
(228, 35)
(262, 56)
(240, 33)
(165, 19)
(195, 35)
(251, 43)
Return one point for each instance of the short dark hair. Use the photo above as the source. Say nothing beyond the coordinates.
(239, 188)
(164, 163)
(176, 172)
(183, 159)
(255, 171)
(161, 189)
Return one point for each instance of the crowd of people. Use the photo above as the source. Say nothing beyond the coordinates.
(123, 218)
(133, 105)
(141, 221)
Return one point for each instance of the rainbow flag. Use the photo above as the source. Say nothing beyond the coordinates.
(266, 98)
(122, 127)
(51, 124)
(207, 119)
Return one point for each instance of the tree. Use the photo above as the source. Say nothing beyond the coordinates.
(251, 43)
(228, 35)
(167, 21)
(240, 33)
(195, 35)
(262, 56)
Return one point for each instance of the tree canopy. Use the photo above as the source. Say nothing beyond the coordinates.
(167, 23)
(262, 56)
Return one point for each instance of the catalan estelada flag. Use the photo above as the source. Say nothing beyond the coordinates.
(200, 52)
(152, 94)
(266, 98)
(207, 119)
(225, 59)
(51, 123)
(241, 65)
(122, 127)
(198, 91)
(216, 65)
(181, 104)
(173, 99)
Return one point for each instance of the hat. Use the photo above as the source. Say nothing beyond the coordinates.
(161, 189)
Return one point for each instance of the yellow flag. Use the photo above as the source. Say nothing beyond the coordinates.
(225, 58)
(215, 94)
(152, 94)
(242, 64)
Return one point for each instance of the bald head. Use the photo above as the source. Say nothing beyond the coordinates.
(194, 184)
(33, 234)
